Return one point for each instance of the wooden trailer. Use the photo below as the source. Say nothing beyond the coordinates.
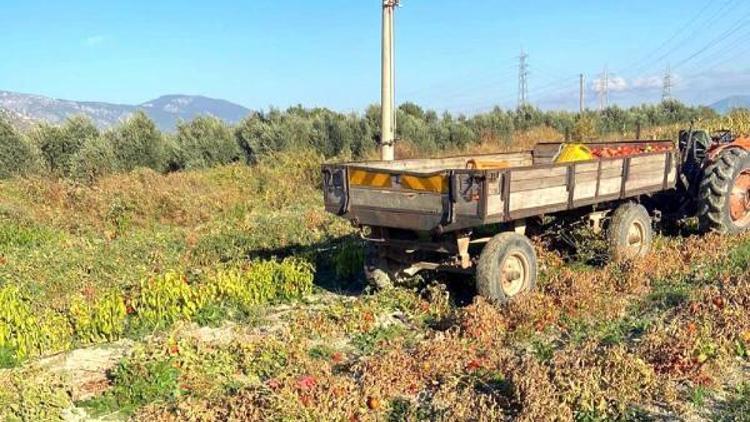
(433, 214)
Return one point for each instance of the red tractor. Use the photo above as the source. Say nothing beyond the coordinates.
(716, 179)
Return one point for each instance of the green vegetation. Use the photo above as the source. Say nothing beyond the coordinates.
(205, 142)
(137, 384)
(137, 143)
(24, 332)
(76, 149)
(212, 274)
(130, 253)
(158, 302)
(27, 395)
(144, 253)
(17, 155)
(103, 320)
(375, 356)
(737, 407)
(94, 159)
(59, 145)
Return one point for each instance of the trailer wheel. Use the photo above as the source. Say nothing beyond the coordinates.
(630, 232)
(725, 193)
(507, 268)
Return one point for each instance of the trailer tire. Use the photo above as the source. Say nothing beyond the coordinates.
(630, 233)
(724, 202)
(507, 268)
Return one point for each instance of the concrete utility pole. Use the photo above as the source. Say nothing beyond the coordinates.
(523, 80)
(388, 89)
(582, 94)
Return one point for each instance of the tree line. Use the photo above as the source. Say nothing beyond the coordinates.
(77, 149)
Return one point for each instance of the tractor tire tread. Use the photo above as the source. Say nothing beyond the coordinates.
(715, 189)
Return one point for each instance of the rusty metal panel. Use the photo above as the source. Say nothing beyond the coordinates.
(397, 200)
(335, 189)
(409, 220)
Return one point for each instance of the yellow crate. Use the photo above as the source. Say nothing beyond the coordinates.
(571, 153)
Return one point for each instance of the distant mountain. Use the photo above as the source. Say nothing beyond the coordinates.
(166, 111)
(169, 109)
(729, 103)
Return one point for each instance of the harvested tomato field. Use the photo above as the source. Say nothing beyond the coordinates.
(556, 233)
(116, 305)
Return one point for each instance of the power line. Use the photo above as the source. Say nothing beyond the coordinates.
(717, 40)
(717, 60)
(544, 71)
(696, 25)
(668, 81)
(720, 55)
(725, 9)
(725, 56)
(554, 84)
(699, 30)
(646, 60)
(478, 80)
(566, 83)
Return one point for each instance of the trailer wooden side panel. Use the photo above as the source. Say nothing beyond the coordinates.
(553, 188)
(426, 195)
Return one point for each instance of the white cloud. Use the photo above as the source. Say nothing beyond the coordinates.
(94, 40)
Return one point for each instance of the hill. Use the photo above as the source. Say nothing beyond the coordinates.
(727, 104)
(166, 111)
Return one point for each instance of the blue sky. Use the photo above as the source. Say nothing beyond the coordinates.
(451, 55)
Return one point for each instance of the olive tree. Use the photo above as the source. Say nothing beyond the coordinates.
(137, 143)
(205, 142)
(17, 155)
(94, 159)
(59, 144)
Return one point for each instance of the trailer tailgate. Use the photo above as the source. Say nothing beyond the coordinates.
(389, 198)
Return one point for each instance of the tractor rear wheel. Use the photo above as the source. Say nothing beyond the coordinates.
(725, 193)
